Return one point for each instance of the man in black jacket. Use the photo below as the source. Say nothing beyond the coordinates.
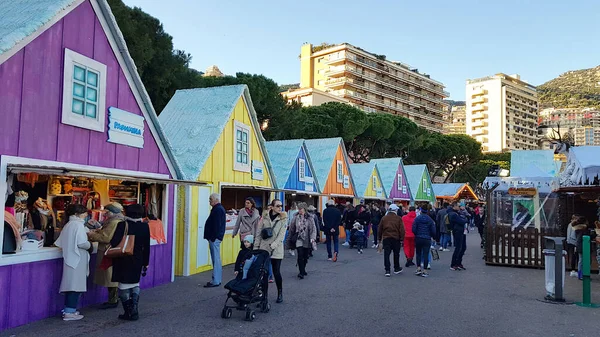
(214, 230)
(457, 223)
(332, 218)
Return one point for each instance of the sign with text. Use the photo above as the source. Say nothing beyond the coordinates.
(309, 184)
(257, 170)
(125, 128)
(346, 181)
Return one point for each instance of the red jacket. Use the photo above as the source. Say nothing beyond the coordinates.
(408, 220)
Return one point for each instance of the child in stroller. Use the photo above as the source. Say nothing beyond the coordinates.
(358, 237)
(251, 283)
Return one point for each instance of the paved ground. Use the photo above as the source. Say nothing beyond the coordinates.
(353, 298)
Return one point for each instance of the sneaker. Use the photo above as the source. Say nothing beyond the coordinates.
(360, 251)
(292, 252)
(387, 274)
(453, 268)
(424, 274)
(271, 280)
(75, 316)
(374, 246)
(335, 257)
(418, 272)
(345, 244)
(397, 271)
(329, 259)
(461, 267)
(573, 273)
(428, 266)
(441, 249)
(446, 250)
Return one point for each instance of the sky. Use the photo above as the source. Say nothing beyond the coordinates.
(450, 40)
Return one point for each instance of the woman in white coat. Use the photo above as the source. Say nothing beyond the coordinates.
(76, 259)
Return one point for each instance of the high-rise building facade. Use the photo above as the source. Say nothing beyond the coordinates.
(372, 83)
(502, 113)
(456, 119)
(582, 123)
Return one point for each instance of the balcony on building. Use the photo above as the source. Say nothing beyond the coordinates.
(479, 92)
(337, 70)
(479, 123)
(478, 107)
(337, 82)
(335, 59)
(478, 100)
(479, 115)
(479, 131)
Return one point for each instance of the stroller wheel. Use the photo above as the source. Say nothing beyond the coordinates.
(250, 315)
(226, 313)
(265, 307)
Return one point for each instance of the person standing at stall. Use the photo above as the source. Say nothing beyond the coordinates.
(247, 221)
(269, 236)
(103, 277)
(214, 231)
(127, 269)
(76, 260)
(332, 218)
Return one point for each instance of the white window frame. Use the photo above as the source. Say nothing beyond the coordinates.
(375, 183)
(399, 181)
(52, 253)
(70, 118)
(424, 185)
(339, 171)
(243, 167)
(301, 169)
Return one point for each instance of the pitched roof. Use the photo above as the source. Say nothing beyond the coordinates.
(361, 173)
(283, 154)
(387, 170)
(447, 190)
(532, 163)
(21, 19)
(322, 153)
(414, 173)
(194, 119)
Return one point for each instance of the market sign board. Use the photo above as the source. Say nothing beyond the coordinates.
(308, 184)
(125, 128)
(346, 181)
(257, 170)
(379, 192)
(526, 191)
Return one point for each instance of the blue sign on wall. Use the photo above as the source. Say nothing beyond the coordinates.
(125, 128)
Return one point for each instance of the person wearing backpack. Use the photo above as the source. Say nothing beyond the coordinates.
(457, 223)
(442, 221)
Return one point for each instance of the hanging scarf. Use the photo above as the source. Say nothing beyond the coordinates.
(71, 236)
(249, 211)
(302, 228)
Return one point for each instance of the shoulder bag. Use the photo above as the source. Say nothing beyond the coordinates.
(124, 248)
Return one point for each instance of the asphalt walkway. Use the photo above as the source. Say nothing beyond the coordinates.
(353, 298)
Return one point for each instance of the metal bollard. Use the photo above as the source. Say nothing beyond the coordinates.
(559, 271)
(587, 281)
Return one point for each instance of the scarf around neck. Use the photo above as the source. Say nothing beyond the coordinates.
(71, 236)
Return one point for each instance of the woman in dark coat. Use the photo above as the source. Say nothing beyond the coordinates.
(127, 269)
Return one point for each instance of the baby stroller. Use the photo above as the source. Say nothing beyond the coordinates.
(254, 289)
(358, 238)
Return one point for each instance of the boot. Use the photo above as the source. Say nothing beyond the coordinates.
(279, 296)
(127, 310)
(134, 307)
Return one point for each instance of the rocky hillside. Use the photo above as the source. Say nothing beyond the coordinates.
(573, 89)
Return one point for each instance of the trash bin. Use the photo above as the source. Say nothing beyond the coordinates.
(550, 269)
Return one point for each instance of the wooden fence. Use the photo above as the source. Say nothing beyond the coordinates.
(519, 248)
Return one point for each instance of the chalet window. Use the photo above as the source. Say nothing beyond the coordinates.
(399, 183)
(340, 172)
(424, 185)
(301, 169)
(241, 160)
(84, 92)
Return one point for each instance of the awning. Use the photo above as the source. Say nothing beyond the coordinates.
(144, 177)
(250, 187)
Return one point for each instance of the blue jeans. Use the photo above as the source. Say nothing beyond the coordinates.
(445, 237)
(215, 256)
(348, 235)
(71, 299)
(126, 294)
(336, 244)
(423, 251)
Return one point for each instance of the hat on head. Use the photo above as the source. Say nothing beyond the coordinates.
(330, 202)
(249, 238)
(393, 208)
(114, 207)
(311, 208)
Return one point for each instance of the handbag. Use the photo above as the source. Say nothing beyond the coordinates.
(434, 254)
(266, 233)
(124, 248)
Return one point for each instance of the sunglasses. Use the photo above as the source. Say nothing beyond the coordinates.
(277, 205)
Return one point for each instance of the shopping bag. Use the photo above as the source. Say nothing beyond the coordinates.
(434, 254)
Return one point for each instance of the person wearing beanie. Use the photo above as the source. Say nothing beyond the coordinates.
(103, 235)
(244, 254)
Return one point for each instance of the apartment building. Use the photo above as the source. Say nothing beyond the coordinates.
(582, 123)
(456, 119)
(502, 113)
(311, 97)
(370, 82)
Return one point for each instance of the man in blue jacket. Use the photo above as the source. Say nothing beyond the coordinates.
(214, 230)
(457, 223)
(332, 217)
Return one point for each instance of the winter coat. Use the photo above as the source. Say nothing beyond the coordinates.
(479, 219)
(349, 218)
(103, 277)
(274, 244)
(215, 224)
(246, 224)
(332, 217)
(293, 230)
(408, 220)
(363, 216)
(440, 219)
(571, 235)
(457, 221)
(580, 231)
(243, 255)
(76, 259)
(423, 227)
(128, 269)
(376, 217)
(391, 226)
